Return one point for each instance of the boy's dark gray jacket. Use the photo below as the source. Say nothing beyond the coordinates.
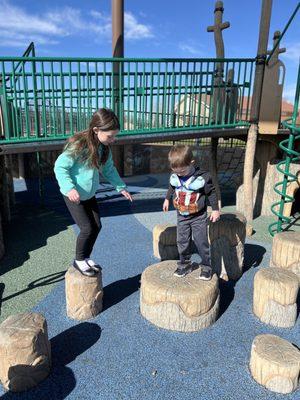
(208, 191)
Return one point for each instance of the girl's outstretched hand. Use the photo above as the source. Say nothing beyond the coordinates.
(127, 195)
(73, 196)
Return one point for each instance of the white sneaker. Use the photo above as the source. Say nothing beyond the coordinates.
(93, 265)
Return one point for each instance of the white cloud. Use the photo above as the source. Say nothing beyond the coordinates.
(68, 18)
(187, 48)
(292, 52)
(22, 40)
(134, 29)
(18, 26)
(101, 24)
(17, 20)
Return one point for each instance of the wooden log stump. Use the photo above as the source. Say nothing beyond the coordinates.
(227, 239)
(275, 297)
(275, 363)
(286, 251)
(25, 352)
(165, 242)
(83, 294)
(180, 304)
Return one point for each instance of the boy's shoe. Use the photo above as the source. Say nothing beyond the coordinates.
(88, 272)
(183, 269)
(205, 273)
(93, 265)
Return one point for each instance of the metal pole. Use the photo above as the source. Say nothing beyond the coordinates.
(118, 28)
(262, 49)
(283, 32)
(264, 29)
(118, 51)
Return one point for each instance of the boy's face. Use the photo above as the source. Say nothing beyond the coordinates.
(183, 171)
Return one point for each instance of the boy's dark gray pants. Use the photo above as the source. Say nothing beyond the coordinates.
(193, 226)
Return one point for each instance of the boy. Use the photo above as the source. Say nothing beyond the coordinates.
(190, 188)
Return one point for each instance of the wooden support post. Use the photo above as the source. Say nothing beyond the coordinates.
(218, 92)
(255, 107)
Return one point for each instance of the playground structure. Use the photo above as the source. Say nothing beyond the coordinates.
(46, 100)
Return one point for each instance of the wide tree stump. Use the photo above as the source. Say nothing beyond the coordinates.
(227, 239)
(165, 242)
(25, 352)
(83, 294)
(275, 363)
(286, 251)
(180, 304)
(275, 297)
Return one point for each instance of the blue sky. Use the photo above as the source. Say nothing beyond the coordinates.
(153, 28)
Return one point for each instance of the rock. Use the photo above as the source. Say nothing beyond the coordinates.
(25, 352)
(83, 294)
(286, 251)
(180, 304)
(275, 363)
(165, 242)
(275, 297)
(227, 239)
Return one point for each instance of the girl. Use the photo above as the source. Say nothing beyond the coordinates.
(77, 172)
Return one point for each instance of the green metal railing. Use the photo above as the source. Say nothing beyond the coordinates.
(52, 98)
(291, 148)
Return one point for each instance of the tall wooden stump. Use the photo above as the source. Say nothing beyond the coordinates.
(165, 242)
(265, 176)
(83, 294)
(286, 251)
(25, 352)
(227, 239)
(180, 304)
(275, 297)
(275, 363)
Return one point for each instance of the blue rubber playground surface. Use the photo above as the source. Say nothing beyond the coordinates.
(120, 355)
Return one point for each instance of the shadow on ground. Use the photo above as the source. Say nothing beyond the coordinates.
(65, 347)
(29, 229)
(253, 255)
(44, 281)
(119, 290)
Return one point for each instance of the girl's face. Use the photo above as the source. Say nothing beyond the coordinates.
(105, 137)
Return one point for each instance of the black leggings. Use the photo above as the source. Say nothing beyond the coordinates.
(86, 216)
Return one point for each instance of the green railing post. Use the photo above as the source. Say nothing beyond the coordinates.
(35, 97)
(4, 102)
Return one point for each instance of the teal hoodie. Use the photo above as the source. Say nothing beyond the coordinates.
(72, 173)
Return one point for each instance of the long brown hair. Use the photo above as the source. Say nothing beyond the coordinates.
(85, 144)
